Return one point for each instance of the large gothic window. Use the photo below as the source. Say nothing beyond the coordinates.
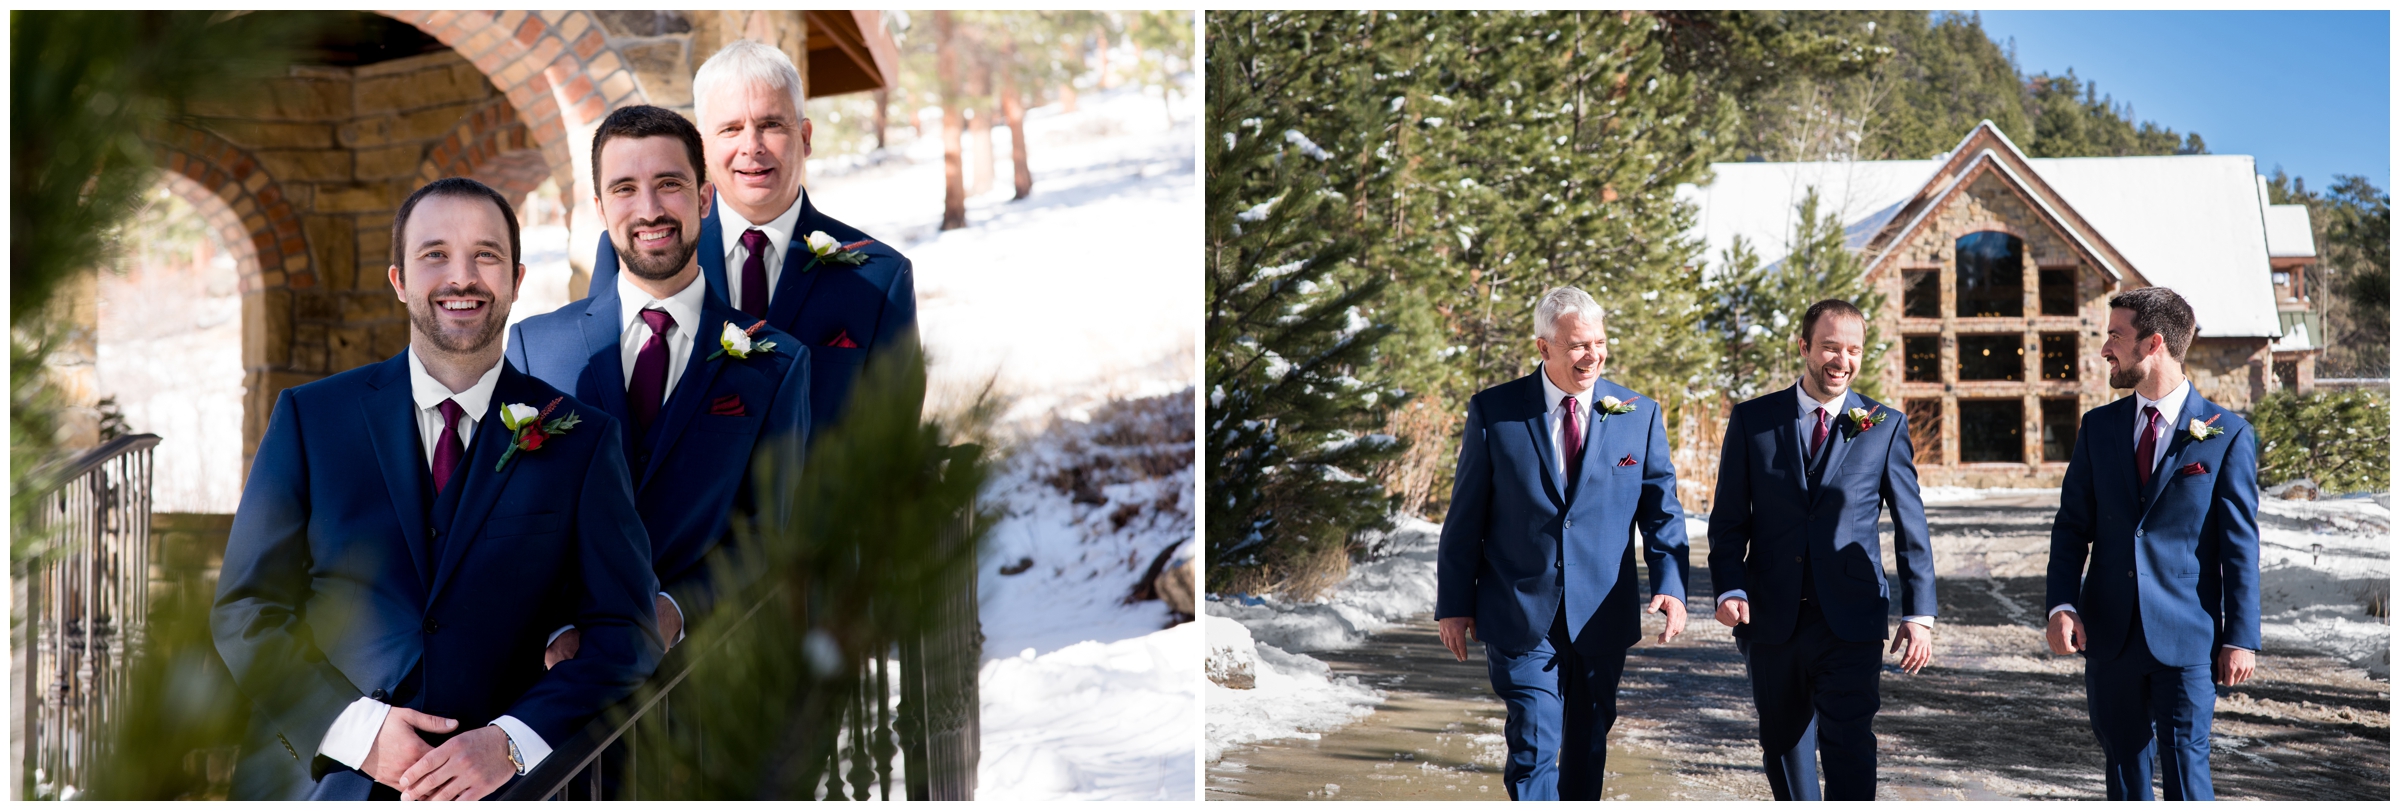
(1991, 275)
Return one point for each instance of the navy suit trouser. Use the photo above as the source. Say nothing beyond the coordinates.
(1561, 703)
(1816, 695)
(2136, 705)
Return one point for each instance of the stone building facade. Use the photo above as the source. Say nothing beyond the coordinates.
(302, 177)
(1997, 284)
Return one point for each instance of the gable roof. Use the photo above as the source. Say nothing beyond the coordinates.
(2195, 223)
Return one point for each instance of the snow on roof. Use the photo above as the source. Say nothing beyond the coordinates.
(2288, 232)
(2195, 223)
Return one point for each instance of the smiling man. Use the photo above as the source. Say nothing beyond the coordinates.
(1556, 472)
(1798, 566)
(847, 297)
(411, 531)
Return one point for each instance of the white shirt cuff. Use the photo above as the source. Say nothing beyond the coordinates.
(1736, 594)
(352, 735)
(554, 635)
(2063, 607)
(2236, 647)
(1920, 619)
(529, 745)
(679, 613)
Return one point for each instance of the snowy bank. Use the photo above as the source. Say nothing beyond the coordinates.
(2321, 563)
(1395, 583)
(1092, 721)
(1290, 695)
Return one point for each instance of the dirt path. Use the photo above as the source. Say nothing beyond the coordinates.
(1994, 717)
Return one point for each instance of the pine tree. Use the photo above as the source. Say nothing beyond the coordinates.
(1756, 310)
(1291, 353)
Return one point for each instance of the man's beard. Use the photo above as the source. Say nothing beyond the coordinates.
(423, 313)
(2124, 377)
(656, 269)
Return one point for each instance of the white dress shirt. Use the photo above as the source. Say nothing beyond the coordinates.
(1809, 406)
(683, 306)
(1555, 417)
(352, 735)
(779, 240)
(2170, 412)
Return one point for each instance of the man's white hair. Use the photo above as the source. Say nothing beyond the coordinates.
(1559, 302)
(747, 60)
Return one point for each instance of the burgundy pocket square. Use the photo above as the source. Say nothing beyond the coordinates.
(728, 406)
(1627, 461)
(841, 340)
(2193, 469)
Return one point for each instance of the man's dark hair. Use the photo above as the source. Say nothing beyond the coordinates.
(645, 121)
(2160, 311)
(1819, 310)
(451, 187)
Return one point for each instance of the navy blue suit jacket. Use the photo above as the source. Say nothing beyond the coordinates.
(328, 595)
(2187, 552)
(874, 303)
(696, 468)
(1767, 519)
(1518, 544)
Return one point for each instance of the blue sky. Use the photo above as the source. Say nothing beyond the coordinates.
(2309, 90)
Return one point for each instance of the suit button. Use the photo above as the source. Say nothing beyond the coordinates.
(1795, 558)
(431, 626)
(2128, 574)
(379, 695)
(431, 533)
(1562, 564)
(1570, 525)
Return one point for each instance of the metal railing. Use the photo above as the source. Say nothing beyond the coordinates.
(86, 600)
(935, 731)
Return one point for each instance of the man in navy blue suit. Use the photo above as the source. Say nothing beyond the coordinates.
(710, 423)
(755, 241)
(410, 532)
(1798, 566)
(2154, 556)
(1556, 471)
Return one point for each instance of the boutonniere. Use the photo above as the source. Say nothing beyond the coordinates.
(1611, 406)
(1862, 419)
(2201, 430)
(530, 429)
(824, 248)
(736, 342)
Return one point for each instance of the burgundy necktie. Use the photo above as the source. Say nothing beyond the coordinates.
(1571, 439)
(1817, 445)
(754, 273)
(448, 450)
(648, 391)
(2145, 448)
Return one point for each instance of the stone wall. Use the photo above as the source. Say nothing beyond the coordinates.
(2231, 372)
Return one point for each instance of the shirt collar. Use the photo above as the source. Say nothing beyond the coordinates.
(1809, 404)
(1555, 394)
(731, 224)
(428, 392)
(684, 306)
(2170, 407)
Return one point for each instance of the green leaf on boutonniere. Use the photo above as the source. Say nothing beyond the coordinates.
(530, 432)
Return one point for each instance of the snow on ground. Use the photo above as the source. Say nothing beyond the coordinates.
(2320, 564)
(1290, 695)
(1076, 305)
(1962, 495)
(1395, 583)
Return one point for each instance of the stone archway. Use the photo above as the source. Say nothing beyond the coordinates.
(248, 206)
(556, 68)
(490, 145)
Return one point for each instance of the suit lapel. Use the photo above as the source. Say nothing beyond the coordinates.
(698, 375)
(482, 483)
(793, 289)
(2178, 440)
(712, 251)
(1539, 426)
(392, 430)
(1786, 409)
(1837, 445)
(603, 381)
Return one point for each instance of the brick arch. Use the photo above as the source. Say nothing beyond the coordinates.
(490, 145)
(555, 67)
(1992, 225)
(249, 209)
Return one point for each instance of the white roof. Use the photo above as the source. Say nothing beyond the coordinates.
(2288, 232)
(2195, 223)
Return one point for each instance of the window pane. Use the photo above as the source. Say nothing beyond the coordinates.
(1991, 275)
(2058, 292)
(2060, 416)
(1991, 357)
(1991, 430)
(1924, 355)
(1922, 294)
(1925, 430)
(2058, 356)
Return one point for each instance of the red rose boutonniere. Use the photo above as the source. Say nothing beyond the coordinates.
(1611, 406)
(2201, 431)
(530, 429)
(736, 342)
(825, 248)
(1862, 419)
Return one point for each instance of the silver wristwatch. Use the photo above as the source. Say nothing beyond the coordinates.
(515, 757)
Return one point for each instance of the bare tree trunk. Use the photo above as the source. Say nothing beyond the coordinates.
(945, 62)
(1103, 34)
(1012, 108)
(883, 113)
(1066, 95)
(979, 130)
